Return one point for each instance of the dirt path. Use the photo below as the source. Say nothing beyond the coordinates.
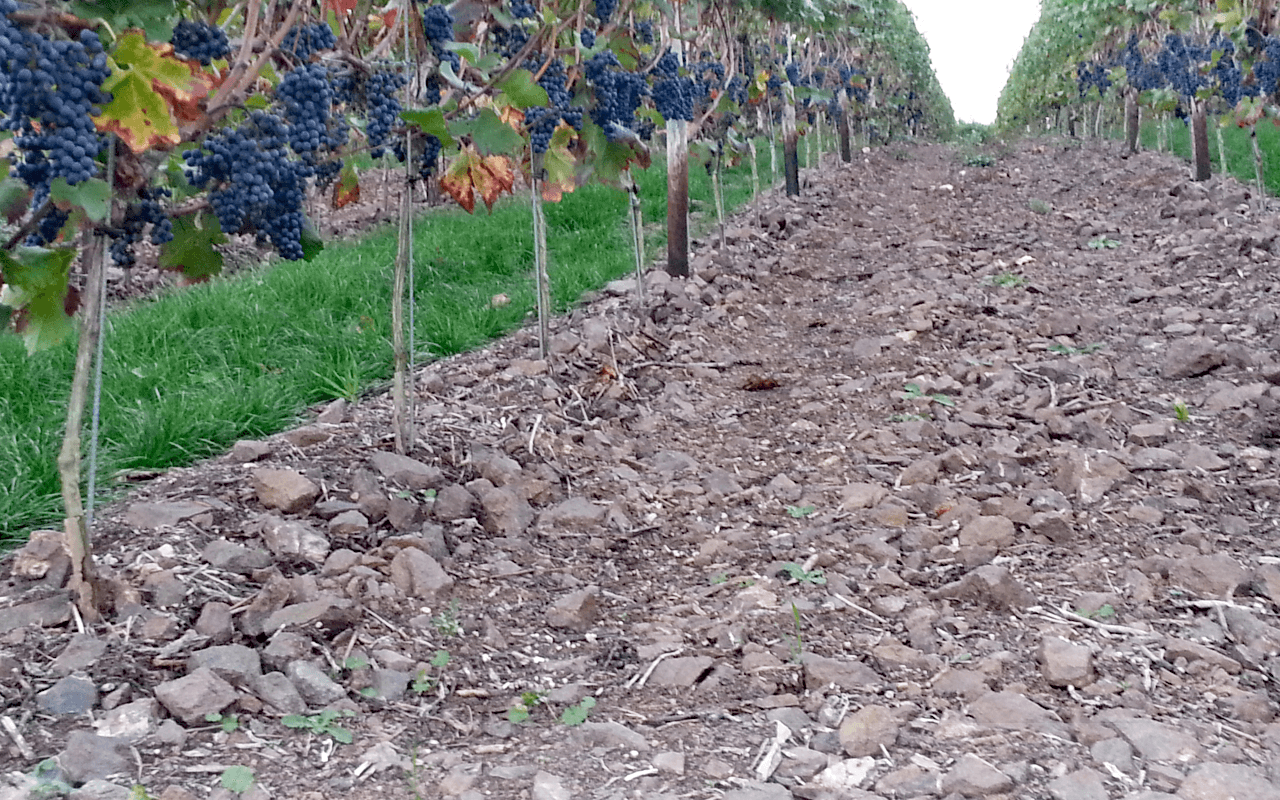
(938, 481)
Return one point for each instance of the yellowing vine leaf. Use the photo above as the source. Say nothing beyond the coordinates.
(558, 166)
(144, 79)
(470, 173)
(346, 189)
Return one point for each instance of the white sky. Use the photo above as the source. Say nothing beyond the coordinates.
(973, 43)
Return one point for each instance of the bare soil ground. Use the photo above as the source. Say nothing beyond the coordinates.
(937, 481)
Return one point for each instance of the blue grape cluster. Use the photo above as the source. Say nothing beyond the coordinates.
(774, 85)
(200, 41)
(1179, 61)
(644, 32)
(618, 94)
(145, 210)
(1267, 69)
(304, 40)
(1142, 74)
(1227, 73)
(737, 90)
(605, 9)
(255, 186)
(706, 75)
(1091, 75)
(429, 158)
(344, 85)
(673, 94)
(510, 41)
(437, 26)
(48, 93)
(541, 121)
(308, 99)
(523, 9)
(588, 38)
(383, 104)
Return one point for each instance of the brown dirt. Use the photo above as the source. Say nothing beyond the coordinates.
(776, 509)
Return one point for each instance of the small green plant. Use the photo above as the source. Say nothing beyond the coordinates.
(801, 512)
(800, 574)
(139, 792)
(902, 155)
(355, 662)
(1039, 206)
(1106, 611)
(344, 385)
(228, 722)
(979, 160)
(447, 621)
(426, 681)
(1007, 280)
(577, 714)
(321, 724)
(49, 782)
(797, 649)
(719, 578)
(237, 778)
(520, 711)
(1067, 350)
(1102, 243)
(1180, 411)
(912, 391)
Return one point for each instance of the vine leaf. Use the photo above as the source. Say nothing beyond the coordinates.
(559, 165)
(153, 16)
(519, 89)
(143, 77)
(35, 288)
(430, 120)
(192, 250)
(471, 172)
(491, 135)
(93, 196)
(15, 197)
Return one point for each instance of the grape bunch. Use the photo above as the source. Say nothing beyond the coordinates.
(383, 107)
(1228, 74)
(523, 9)
(304, 40)
(1267, 69)
(541, 121)
(437, 26)
(48, 93)
(307, 96)
(605, 9)
(1091, 75)
(644, 32)
(1179, 62)
(618, 94)
(588, 38)
(429, 157)
(145, 210)
(200, 41)
(1142, 74)
(254, 186)
(673, 94)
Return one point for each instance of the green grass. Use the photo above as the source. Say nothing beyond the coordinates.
(192, 371)
(1235, 142)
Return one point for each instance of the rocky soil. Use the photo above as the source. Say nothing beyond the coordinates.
(940, 481)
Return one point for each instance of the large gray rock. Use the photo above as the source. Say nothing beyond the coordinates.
(820, 671)
(291, 539)
(576, 611)
(417, 574)
(231, 662)
(1064, 663)
(1187, 358)
(285, 489)
(503, 512)
(868, 729)
(973, 777)
(407, 471)
(576, 513)
(1216, 781)
(1158, 741)
(313, 685)
(1012, 711)
(88, 756)
(72, 695)
(192, 696)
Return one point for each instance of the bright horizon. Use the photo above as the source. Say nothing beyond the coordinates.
(973, 43)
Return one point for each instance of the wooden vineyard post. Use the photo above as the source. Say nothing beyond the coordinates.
(842, 126)
(1131, 120)
(541, 277)
(773, 140)
(755, 179)
(400, 352)
(79, 542)
(1257, 168)
(1200, 169)
(1097, 121)
(637, 232)
(1221, 146)
(678, 198)
(790, 140)
(716, 193)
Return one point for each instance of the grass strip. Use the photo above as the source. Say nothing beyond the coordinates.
(1235, 141)
(188, 373)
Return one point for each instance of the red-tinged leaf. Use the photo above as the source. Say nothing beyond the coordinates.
(456, 180)
(144, 77)
(341, 7)
(15, 197)
(346, 189)
(493, 176)
(36, 289)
